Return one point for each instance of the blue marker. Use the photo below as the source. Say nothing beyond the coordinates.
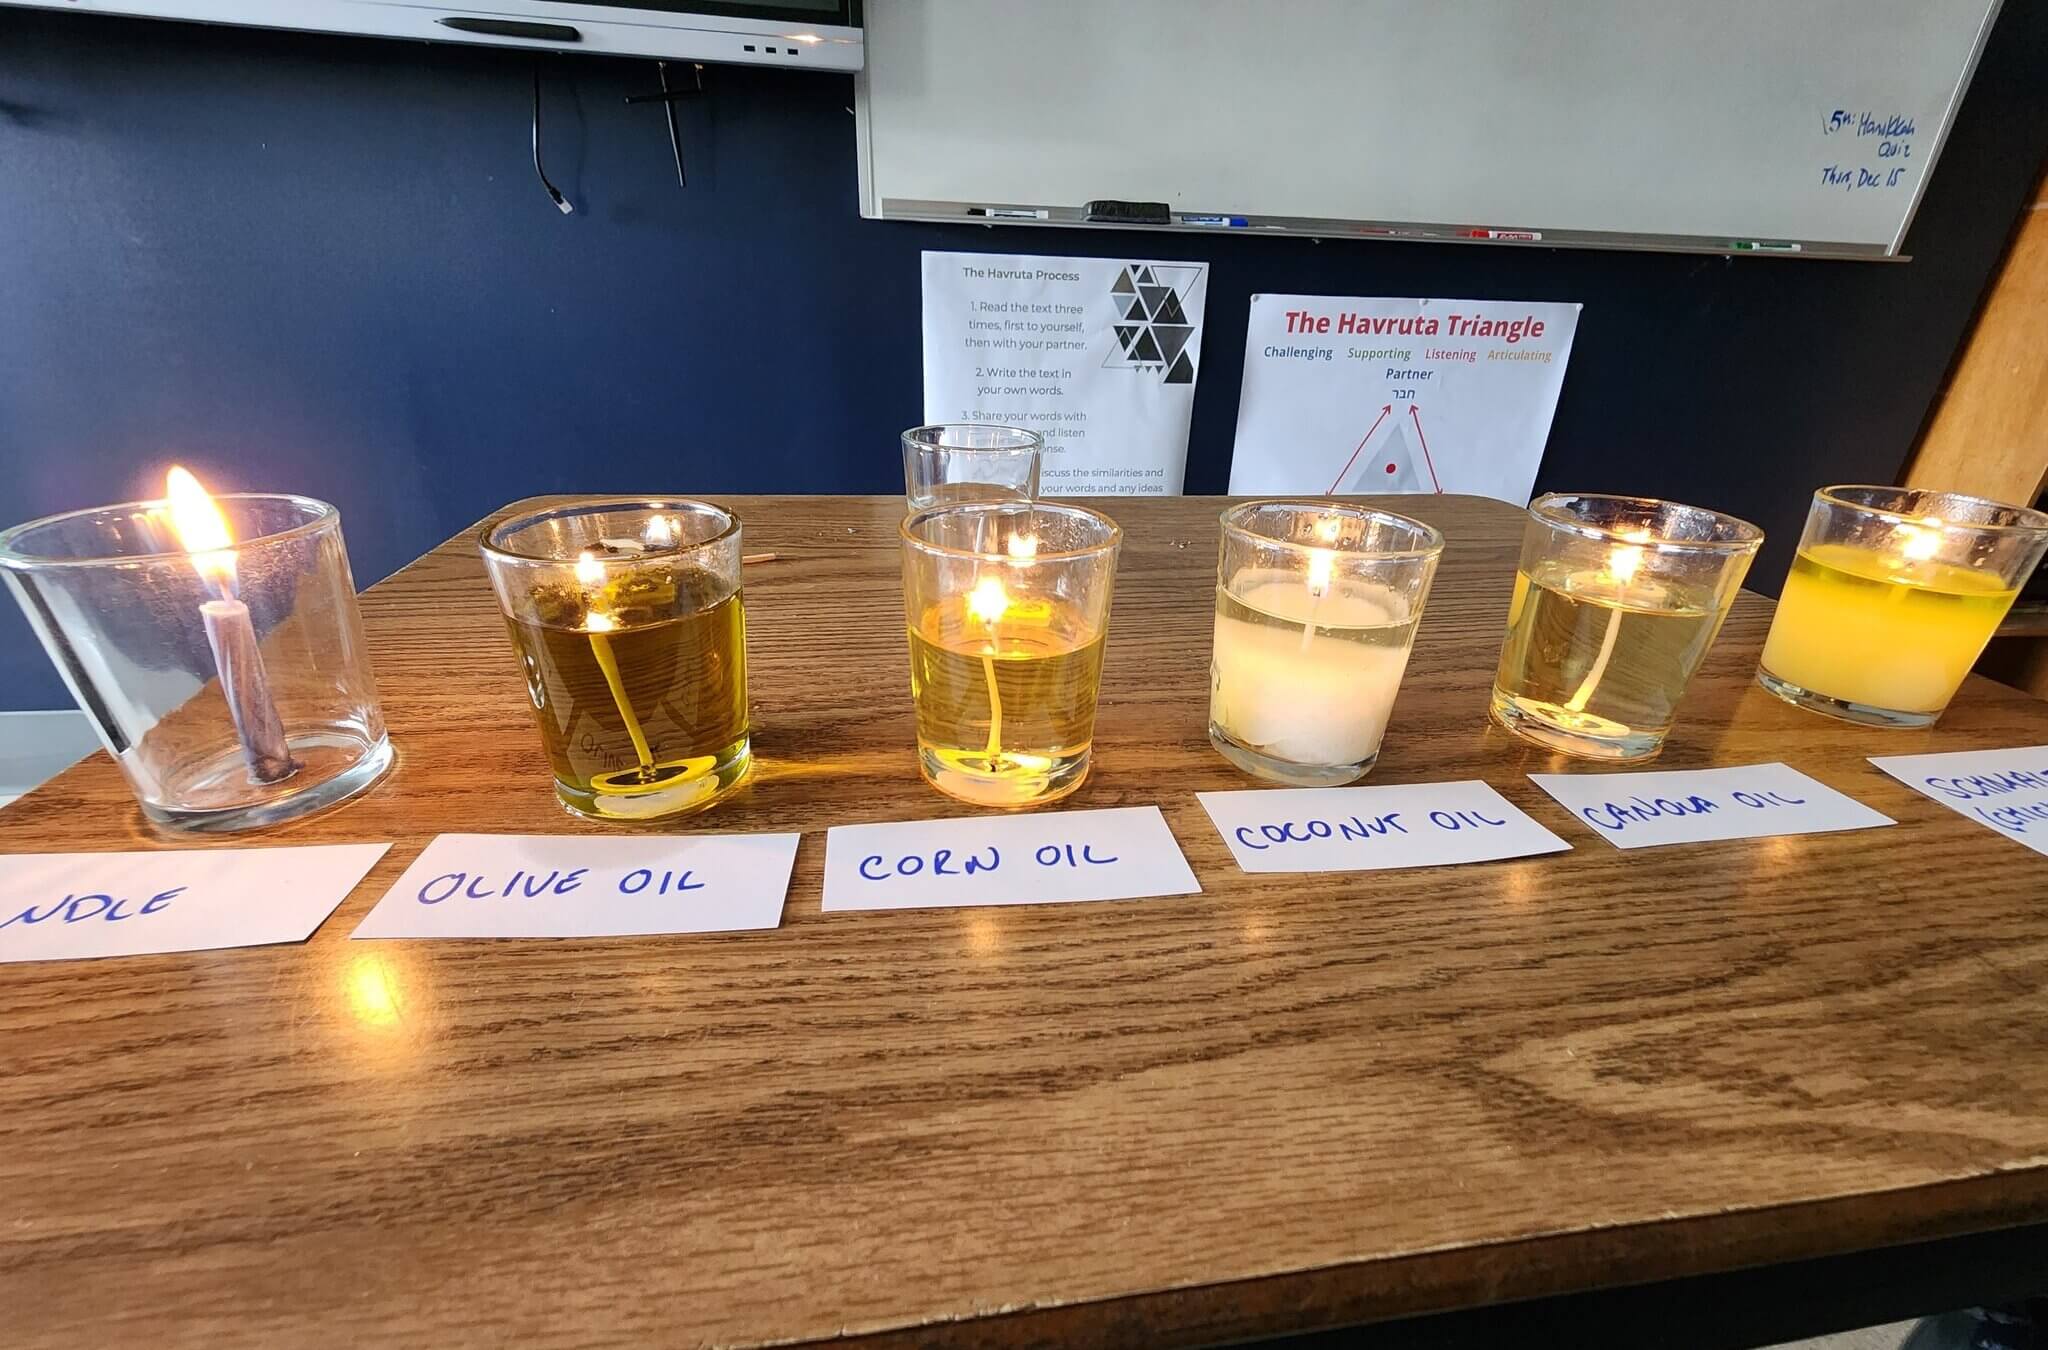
(1229, 222)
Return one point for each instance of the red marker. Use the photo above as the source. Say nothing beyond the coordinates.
(1520, 236)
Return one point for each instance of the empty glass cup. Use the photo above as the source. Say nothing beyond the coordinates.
(961, 462)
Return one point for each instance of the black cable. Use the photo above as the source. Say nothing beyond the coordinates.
(554, 192)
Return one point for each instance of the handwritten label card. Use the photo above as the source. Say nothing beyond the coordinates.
(63, 906)
(1694, 806)
(2005, 789)
(538, 885)
(1361, 829)
(1117, 854)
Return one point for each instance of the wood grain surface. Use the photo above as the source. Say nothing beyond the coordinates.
(1286, 1103)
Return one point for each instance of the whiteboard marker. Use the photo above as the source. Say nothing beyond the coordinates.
(1010, 212)
(1761, 246)
(1232, 222)
(1520, 236)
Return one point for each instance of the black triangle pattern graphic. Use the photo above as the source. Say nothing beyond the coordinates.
(1171, 338)
(1145, 349)
(1134, 308)
(1124, 334)
(1169, 310)
(1145, 276)
(1182, 371)
(1154, 296)
(1123, 283)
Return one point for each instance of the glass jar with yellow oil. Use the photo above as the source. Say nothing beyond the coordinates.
(1891, 598)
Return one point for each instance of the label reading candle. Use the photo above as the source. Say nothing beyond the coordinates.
(2004, 789)
(61, 906)
(1118, 854)
(529, 885)
(1691, 806)
(1358, 829)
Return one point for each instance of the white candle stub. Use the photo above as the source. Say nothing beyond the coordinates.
(1310, 679)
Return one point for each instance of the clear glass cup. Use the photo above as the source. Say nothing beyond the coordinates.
(1891, 598)
(1316, 609)
(963, 462)
(232, 687)
(1617, 600)
(1008, 608)
(631, 631)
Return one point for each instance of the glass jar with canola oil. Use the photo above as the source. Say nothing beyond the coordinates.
(1892, 597)
(1616, 602)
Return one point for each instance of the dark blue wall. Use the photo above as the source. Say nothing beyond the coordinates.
(323, 265)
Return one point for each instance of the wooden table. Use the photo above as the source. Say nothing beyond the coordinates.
(1289, 1102)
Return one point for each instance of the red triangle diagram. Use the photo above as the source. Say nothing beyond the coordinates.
(1385, 459)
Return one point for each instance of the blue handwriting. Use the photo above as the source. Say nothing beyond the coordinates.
(108, 907)
(481, 887)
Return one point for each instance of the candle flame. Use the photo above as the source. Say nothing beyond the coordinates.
(1320, 562)
(1918, 543)
(1023, 546)
(988, 601)
(590, 572)
(1627, 559)
(201, 528)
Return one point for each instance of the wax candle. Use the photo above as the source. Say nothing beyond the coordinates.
(1316, 610)
(203, 532)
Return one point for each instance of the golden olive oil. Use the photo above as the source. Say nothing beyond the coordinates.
(640, 690)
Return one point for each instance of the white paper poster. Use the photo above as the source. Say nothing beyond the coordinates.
(1365, 829)
(1121, 853)
(1097, 355)
(1346, 394)
(2006, 790)
(61, 906)
(538, 885)
(1692, 806)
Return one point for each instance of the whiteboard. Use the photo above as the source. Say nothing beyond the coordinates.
(1808, 126)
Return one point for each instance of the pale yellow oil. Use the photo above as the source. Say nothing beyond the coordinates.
(1592, 661)
(1005, 711)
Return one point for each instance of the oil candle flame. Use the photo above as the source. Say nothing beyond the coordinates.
(988, 600)
(201, 528)
(1320, 563)
(1627, 559)
(1918, 543)
(590, 573)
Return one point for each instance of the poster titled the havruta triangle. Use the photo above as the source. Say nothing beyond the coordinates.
(1377, 394)
(1099, 356)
